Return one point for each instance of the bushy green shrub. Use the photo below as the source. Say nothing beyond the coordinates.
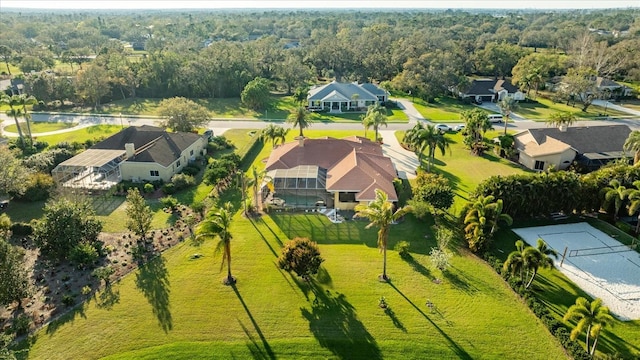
(21, 229)
(191, 169)
(402, 247)
(21, 324)
(148, 188)
(68, 300)
(169, 188)
(182, 181)
(169, 202)
(38, 187)
(84, 255)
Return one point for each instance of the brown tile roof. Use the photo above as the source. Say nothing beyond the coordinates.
(353, 164)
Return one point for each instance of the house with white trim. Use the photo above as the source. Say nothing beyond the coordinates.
(338, 97)
(491, 90)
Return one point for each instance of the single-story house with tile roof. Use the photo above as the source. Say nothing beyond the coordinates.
(336, 173)
(491, 90)
(340, 97)
(589, 146)
(145, 153)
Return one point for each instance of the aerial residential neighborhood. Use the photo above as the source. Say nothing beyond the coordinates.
(282, 180)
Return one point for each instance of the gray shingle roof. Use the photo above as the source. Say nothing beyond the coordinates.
(489, 87)
(587, 139)
(346, 90)
(152, 144)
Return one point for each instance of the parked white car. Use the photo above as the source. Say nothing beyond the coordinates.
(443, 127)
(458, 128)
(495, 118)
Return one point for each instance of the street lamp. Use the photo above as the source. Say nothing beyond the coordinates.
(121, 124)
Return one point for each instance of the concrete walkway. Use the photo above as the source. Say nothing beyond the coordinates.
(411, 111)
(405, 162)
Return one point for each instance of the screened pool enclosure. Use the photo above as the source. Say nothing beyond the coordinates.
(303, 187)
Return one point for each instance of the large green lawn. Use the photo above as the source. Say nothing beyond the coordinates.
(40, 127)
(176, 306)
(543, 108)
(443, 109)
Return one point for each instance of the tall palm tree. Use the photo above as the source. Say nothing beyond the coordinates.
(615, 193)
(515, 263)
(299, 117)
(381, 214)
(421, 138)
(507, 105)
(25, 100)
(592, 315)
(14, 111)
(274, 133)
(376, 116)
(632, 144)
(217, 223)
(538, 257)
(254, 181)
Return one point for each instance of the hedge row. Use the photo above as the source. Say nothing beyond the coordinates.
(555, 327)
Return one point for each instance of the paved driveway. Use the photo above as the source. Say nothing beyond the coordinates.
(405, 162)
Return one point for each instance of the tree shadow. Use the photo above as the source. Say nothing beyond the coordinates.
(396, 322)
(460, 352)
(418, 267)
(335, 324)
(271, 230)
(323, 277)
(273, 251)
(107, 298)
(152, 279)
(70, 316)
(254, 347)
(457, 279)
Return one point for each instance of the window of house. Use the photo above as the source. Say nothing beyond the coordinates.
(539, 165)
(347, 197)
(178, 163)
(191, 152)
(154, 173)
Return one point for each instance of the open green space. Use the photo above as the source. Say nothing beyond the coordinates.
(558, 293)
(464, 170)
(444, 109)
(176, 307)
(40, 127)
(543, 108)
(95, 133)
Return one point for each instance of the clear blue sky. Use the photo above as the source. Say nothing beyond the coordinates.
(345, 4)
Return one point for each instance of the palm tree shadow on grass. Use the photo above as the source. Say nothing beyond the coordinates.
(396, 322)
(460, 352)
(418, 267)
(152, 279)
(334, 323)
(254, 347)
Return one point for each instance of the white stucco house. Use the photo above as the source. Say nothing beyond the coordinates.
(341, 97)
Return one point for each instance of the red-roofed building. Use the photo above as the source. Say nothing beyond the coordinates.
(337, 173)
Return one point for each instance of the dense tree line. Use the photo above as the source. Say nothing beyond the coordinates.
(215, 54)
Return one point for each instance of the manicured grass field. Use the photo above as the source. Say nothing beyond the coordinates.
(558, 293)
(543, 109)
(443, 109)
(176, 307)
(464, 170)
(40, 127)
(95, 132)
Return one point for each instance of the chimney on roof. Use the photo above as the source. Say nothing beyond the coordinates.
(130, 149)
(563, 128)
(300, 141)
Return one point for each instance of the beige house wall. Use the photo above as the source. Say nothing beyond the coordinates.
(342, 205)
(138, 171)
(557, 160)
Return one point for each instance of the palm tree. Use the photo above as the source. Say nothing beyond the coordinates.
(14, 111)
(381, 214)
(254, 181)
(299, 117)
(507, 105)
(561, 119)
(634, 202)
(375, 117)
(594, 316)
(274, 133)
(539, 257)
(515, 263)
(632, 144)
(217, 223)
(616, 193)
(25, 100)
(421, 138)
(482, 219)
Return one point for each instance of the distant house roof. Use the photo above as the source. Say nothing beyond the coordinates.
(586, 139)
(604, 82)
(490, 87)
(353, 164)
(345, 91)
(152, 144)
